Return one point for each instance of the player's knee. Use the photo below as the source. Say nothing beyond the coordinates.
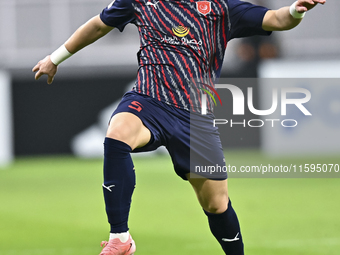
(216, 205)
(216, 209)
(126, 127)
(120, 133)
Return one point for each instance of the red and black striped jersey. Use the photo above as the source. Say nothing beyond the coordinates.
(183, 42)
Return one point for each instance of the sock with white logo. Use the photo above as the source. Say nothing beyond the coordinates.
(119, 183)
(226, 229)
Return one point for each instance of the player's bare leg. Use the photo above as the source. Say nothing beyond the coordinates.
(128, 128)
(213, 197)
(125, 133)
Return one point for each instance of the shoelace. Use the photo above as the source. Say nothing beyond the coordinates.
(107, 246)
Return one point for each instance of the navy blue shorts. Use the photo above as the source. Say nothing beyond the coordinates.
(191, 140)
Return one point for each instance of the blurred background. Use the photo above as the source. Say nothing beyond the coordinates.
(71, 115)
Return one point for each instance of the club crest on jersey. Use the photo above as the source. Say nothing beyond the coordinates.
(203, 7)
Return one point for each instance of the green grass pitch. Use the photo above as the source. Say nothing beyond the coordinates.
(54, 206)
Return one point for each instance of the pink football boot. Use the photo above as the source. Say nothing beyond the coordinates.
(116, 247)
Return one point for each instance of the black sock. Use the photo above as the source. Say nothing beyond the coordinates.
(226, 229)
(119, 183)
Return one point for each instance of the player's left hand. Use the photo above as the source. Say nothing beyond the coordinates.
(306, 5)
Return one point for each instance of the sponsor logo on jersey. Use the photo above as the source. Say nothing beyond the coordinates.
(203, 7)
(180, 38)
(180, 31)
(152, 4)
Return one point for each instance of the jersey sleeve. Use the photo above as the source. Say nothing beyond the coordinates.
(246, 19)
(118, 14)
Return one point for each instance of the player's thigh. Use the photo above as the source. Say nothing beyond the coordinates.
(128, 128)
(211, 194)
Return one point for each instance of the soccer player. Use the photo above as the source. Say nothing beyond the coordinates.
(182, 46)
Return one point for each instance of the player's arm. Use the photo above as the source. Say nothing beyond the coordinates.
(88, 33)
(287, 18)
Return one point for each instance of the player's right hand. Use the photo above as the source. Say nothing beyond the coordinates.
(47, 67)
